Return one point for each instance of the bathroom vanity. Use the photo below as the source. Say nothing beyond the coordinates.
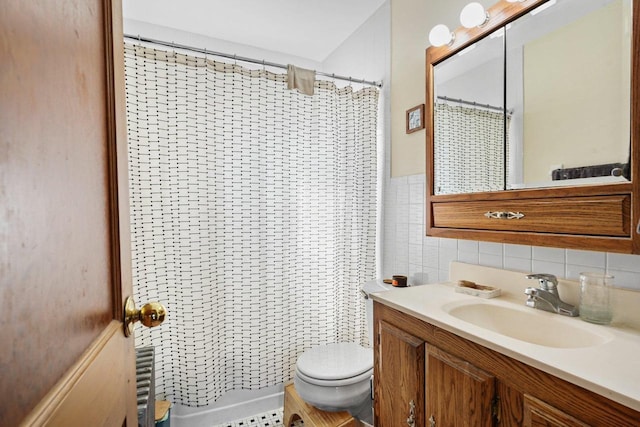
(447, 359)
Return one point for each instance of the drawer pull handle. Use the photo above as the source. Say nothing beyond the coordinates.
(504, 215)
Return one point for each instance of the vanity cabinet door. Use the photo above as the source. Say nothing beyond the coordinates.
(399, 378)
(458, 393)
(540, 414)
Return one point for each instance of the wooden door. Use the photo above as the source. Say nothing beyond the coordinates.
(64, 231)
(399, 378)
(458, 394)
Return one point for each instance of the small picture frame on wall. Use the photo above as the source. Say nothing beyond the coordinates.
(415, 118)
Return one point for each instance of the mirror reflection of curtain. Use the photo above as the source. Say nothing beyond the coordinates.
(253, 218)
(469, 150)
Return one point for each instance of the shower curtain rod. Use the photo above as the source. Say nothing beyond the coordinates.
(472, 103)
(243, 59)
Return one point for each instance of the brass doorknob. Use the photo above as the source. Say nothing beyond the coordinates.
(150, 315)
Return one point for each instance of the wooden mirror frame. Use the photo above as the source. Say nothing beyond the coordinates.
(603, 217)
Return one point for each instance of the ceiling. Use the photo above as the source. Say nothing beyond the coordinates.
(310, 29)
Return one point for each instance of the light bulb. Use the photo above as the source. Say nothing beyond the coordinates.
(473, 15)
(440, 35)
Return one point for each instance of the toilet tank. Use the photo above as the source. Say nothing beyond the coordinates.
(370, 287)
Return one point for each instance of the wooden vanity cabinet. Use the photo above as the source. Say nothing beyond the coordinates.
(454, 382)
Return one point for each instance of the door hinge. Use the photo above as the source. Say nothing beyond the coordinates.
(495, 410)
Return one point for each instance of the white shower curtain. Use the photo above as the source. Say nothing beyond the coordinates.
(253, 215)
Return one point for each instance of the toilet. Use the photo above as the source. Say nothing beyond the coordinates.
(337, 377)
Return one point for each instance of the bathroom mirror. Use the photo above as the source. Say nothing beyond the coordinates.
(542, 101)
(469, 119)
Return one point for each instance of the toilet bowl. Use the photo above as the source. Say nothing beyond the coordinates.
(337, 377)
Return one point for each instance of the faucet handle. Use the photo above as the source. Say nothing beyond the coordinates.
(547, 281)
(531, 294)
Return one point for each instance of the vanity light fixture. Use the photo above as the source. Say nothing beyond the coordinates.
(473, 15)
(440, 35)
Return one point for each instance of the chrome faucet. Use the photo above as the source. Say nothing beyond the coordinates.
(546, 297)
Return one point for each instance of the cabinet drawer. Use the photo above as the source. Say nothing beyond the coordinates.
(601, 216)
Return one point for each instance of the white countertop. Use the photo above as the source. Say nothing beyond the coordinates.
(611, 368)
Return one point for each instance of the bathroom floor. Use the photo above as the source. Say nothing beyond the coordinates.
(267, 419)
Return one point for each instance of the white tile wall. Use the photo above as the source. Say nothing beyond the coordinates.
(426, 259)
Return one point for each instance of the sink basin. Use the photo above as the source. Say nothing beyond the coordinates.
(532, 326)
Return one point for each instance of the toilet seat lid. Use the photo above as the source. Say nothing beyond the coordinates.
(335, 361)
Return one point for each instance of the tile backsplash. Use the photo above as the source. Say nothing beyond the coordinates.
(426, 259)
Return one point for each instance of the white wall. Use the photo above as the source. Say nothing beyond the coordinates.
(144, 29)
(365, 54)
